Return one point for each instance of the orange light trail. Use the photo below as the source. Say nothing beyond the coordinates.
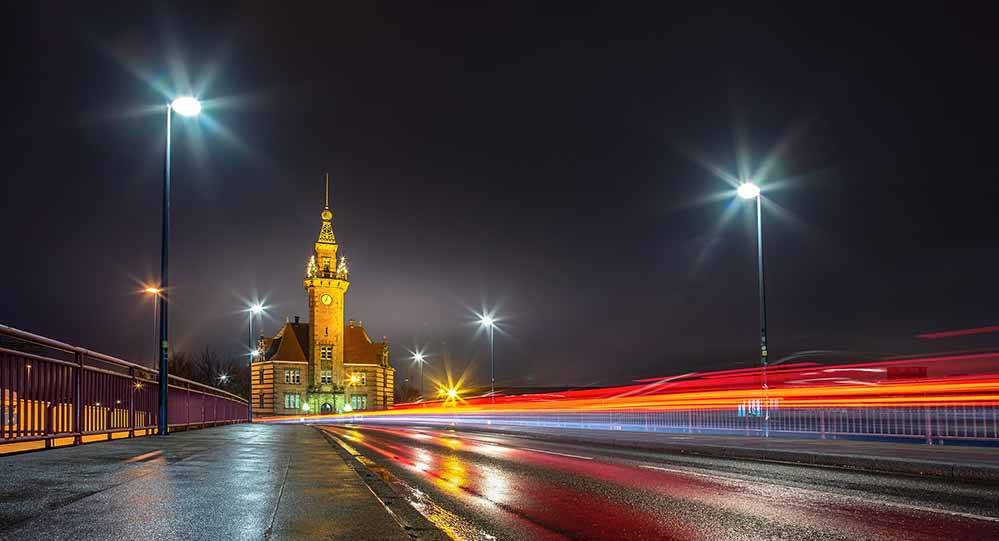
(949, 381)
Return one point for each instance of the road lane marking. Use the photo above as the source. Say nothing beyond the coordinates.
(138, 458)
(557, 453)
(908, 506)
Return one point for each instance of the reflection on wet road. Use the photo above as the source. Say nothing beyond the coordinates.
(477, 485)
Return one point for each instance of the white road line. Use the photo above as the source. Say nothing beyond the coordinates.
(820, 493)
(557, 453)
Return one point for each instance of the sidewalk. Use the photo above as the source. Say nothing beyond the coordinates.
(979, 464)
(255, 481)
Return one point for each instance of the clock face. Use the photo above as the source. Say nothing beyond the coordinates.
(326, 299)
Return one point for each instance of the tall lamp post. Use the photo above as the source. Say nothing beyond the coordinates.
(254, 310)
(488, 322)
(185, 106)
(749, 190)
(418, 357)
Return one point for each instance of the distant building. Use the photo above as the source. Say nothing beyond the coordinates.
(325, 365)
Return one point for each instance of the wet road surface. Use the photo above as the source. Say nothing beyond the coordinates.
(481, 485)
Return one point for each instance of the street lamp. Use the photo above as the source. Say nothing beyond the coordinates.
(488, 322)
(254, 310)
(748, 190)
(185, 106)
(155, 292)
(418, 357)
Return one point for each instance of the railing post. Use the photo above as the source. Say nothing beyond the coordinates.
(822, 422)
(929, 427)
(78, 399)
(131, 403)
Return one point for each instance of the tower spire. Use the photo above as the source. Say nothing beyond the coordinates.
(326, 233)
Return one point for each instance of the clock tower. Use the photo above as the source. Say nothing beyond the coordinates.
(328, 365)
(326, 283)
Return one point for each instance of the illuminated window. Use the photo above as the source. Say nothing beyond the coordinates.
(326, 377)
(293, 376)
(326, 353)
(359, 401)
(292, 400)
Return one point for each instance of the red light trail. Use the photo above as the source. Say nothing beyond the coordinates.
(935, 381)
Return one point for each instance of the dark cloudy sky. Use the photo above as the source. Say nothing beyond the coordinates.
(546, 160)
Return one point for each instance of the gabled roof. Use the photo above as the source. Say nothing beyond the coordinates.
(290, 343)
(358, 347)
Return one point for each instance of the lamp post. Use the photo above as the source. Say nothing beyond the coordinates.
(185, 106)
(254, 310)
(488, 322)
(418, 357)
(749, 190)
(155, 292)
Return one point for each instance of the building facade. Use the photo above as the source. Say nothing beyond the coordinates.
(326, 365)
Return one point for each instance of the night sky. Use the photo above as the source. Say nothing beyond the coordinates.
(555, 162)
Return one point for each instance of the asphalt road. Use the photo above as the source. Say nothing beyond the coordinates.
(480, 485)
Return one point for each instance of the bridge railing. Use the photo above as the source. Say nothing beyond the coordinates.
(61, 394)
(959, 424)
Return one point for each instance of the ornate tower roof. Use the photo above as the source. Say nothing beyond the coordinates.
(324, 262)
(326, 232)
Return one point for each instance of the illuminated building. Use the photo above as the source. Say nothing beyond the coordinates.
(325, 365)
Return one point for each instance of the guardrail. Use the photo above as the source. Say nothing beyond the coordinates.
(61, 394)
(931, 425)
(936, 399)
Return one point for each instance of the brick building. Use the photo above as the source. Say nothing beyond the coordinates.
(326, 365)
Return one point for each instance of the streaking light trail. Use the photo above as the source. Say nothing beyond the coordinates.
(950, 396)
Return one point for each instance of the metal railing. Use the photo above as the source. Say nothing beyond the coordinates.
(955, 424)
(62, 394)
(931, 425)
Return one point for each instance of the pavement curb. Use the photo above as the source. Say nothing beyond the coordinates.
(979, 473)
(412, 521)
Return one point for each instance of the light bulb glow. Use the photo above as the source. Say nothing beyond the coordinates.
(186, 105)
(748, 190)
(256, 308)
(152, 290)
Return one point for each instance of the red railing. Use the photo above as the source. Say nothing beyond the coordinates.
(60, 394)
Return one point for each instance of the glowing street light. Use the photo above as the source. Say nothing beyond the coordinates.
(749, 190)
(185, 106)
(254, 310)
(452, 393)
(420, 358)
(155, 292)
(223, 379)
(487, 321)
